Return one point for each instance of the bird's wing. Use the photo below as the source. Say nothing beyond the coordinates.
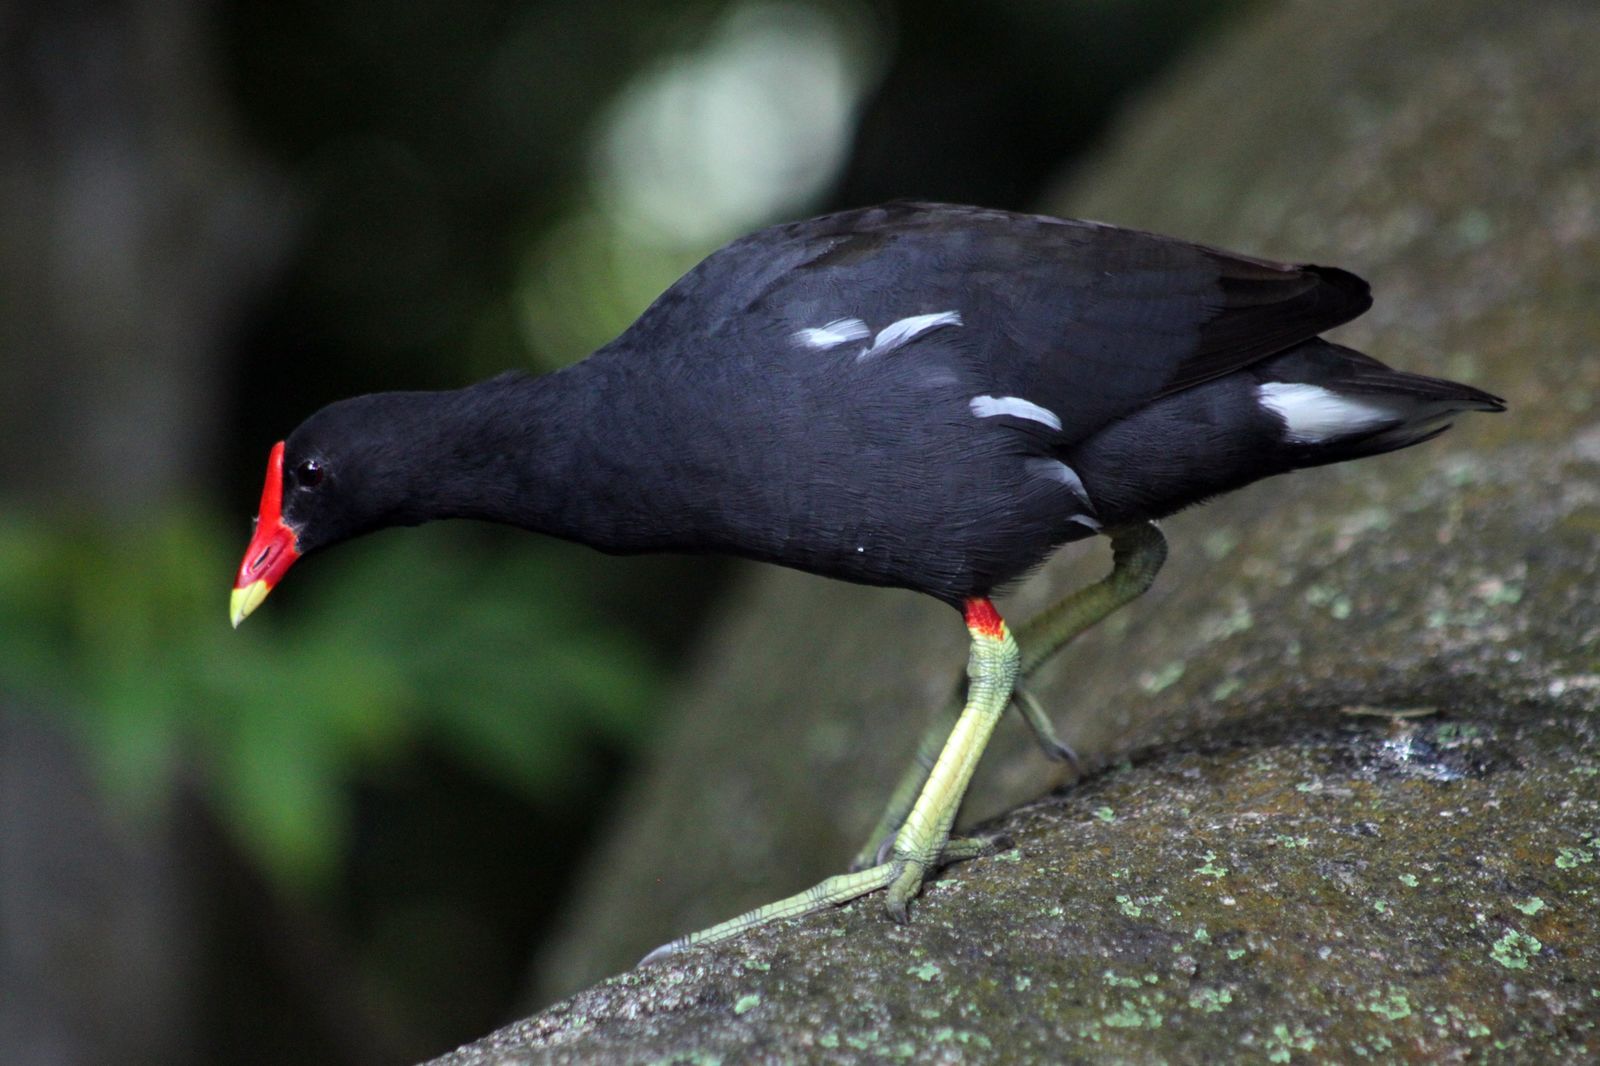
(1086, 320)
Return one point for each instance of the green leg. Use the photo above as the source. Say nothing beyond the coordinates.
(923, 841)
(937, 731)
(991, 675)
(1137, 554)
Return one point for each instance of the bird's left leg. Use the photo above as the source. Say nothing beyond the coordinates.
(923, 841)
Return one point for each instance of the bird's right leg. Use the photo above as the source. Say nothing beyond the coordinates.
(1137, 554)
(922, 844)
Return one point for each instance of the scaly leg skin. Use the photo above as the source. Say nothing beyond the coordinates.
(1137, 554)
(923, 842)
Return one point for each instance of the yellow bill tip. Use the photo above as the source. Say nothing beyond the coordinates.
(246, 599)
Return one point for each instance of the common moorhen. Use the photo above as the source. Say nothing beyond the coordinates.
(924, 396)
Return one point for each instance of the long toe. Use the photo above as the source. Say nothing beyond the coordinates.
(819, 897)
(908, 878)
(1065, 753)
(960, 849)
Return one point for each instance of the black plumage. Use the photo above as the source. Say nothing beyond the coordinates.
(712, 424)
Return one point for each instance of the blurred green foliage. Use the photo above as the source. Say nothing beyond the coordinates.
(412, 639)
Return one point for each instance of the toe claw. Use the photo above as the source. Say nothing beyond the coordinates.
(1043, 731)
(903, 888)
(672, 947)
(884, 848)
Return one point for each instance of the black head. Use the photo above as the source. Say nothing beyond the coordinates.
(360, 465)
(353, 467)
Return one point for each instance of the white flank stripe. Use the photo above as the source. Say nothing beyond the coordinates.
(905, 330)
(1013, 407)
(839, 331)
(1312, 414)
(1056, 470)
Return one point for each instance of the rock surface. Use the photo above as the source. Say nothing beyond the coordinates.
(1349, 788)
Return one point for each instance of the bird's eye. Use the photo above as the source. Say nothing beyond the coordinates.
(309, 474)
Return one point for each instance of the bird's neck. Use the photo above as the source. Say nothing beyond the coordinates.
(549, 454)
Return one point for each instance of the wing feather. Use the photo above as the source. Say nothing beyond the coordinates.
(1085, 319)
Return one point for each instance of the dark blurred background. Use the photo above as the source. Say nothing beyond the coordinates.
(339, 834)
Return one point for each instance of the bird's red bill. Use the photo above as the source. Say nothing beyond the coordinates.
(272, 550)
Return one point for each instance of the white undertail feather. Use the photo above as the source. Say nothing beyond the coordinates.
(1312, 414)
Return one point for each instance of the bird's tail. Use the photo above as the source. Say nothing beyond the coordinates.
(1340, 404)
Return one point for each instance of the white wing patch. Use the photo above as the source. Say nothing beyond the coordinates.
(1312, 414)
(895, 335)
(1013, 407)
(903, 332)
(839, 331)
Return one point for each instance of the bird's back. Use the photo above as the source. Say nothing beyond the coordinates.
(933, 397)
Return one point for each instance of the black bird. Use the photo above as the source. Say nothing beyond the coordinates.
(923, 396)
